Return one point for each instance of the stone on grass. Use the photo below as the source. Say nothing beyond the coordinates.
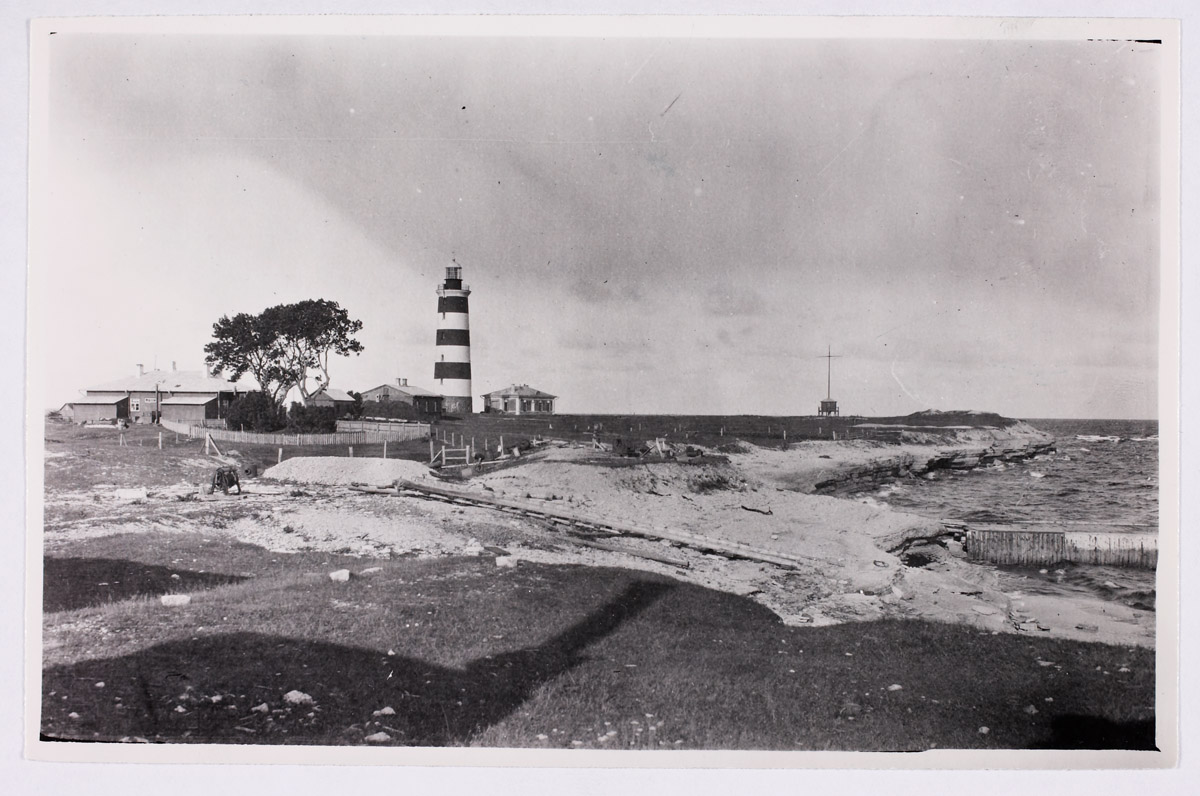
(371, 570)
(175, 600)
(984, 730)
(379, 737)
(297, 698)
(340, 575)
(263, 708)
(895, 687)
(506, 561)
(1031, 710)
(384, 712)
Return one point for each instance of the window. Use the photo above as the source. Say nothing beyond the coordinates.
(136, 405)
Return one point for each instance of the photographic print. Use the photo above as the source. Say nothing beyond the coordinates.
(602, 386)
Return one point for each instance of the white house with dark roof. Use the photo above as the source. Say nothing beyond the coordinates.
(149, 389)
(519, 399)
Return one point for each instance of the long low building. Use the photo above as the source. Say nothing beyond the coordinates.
(189, 408)
(424, 402)
(149, 390)
(100, 408)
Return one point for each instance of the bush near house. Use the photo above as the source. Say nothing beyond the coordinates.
(303, 419)
(255, 412)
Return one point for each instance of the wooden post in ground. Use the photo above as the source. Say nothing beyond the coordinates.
(160, 440)
(351, 451)
(385, 449)
(279, 460)
(207, 439)
(502, 444)
(431, 449)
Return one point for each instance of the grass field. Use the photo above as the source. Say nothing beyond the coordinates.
(462, 652)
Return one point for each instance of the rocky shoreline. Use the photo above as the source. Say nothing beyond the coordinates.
(851, 480)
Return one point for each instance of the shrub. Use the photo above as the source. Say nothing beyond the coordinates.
(710, 482)
(311, 419)
(255, 412)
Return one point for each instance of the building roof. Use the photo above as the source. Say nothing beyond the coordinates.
(174, 381)
(189, 400)
(99, 400)
(407, 389)
(521, 391)
(334, 394)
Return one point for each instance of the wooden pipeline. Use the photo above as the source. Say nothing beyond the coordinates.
(721, 546)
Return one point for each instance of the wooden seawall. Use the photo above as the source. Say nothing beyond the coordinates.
(999, 544)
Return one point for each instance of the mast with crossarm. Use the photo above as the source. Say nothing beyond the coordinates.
(829, 407)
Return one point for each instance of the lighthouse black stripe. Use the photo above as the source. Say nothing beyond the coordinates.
(452, 303)
(452, 370)
(453, 337)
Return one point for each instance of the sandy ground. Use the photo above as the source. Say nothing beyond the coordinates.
(846, 574)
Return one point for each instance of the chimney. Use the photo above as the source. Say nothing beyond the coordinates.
(141, 369)
(402, 382)
(172, 365)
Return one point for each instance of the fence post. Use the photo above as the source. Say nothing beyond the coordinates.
(385, 449)
(351, 451)
(431, 450)
(280, 459)
(160, 440)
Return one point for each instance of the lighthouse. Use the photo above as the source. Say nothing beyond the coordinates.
(452, 368)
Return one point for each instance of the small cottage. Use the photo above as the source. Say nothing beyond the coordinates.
(340, 400)
(519, 399)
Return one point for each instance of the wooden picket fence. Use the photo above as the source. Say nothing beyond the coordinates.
(399, 433)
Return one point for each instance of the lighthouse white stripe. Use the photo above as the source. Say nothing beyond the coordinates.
(454, 353)
(455, 320)
(454, 388)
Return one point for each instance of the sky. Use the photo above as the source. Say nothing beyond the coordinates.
(659, 225)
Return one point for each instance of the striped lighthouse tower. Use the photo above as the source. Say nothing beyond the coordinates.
(452, 369)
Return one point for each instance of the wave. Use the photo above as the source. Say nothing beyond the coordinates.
(1097, 438)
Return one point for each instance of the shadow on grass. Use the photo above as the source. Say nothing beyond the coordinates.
(205, 689)
(70, 583)
(1094, 732)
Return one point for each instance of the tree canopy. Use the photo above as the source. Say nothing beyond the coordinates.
(284, 346)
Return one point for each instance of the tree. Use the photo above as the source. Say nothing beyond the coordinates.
(247, 344)
(307, 334)
(282, 344)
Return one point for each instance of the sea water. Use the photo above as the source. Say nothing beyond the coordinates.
(1103, 476)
